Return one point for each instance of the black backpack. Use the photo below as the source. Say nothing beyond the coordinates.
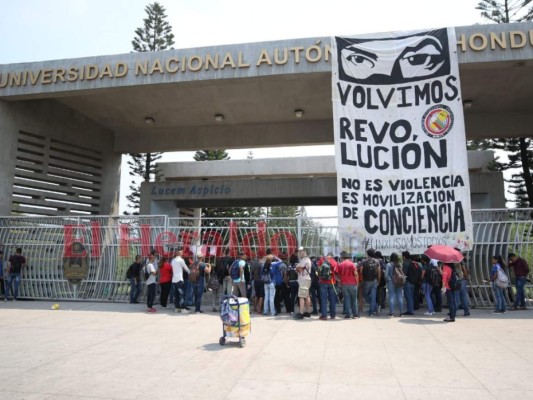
(370, 269)
(455, 282)
(435, 277)
(414, 274)
(293, 274)
(129, 272)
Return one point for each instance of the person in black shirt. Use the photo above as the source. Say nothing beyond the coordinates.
(14, 266)
(134, 275)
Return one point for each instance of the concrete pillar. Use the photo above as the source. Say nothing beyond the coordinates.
(57, 136)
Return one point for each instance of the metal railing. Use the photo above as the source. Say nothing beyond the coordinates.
(86, 258)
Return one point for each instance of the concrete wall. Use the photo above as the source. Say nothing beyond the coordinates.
(51, 119)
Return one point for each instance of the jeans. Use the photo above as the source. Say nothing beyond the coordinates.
(327, 292)
(409, 291)
(179, 294)
(282, 294)
(520, 300)
(9, 286)
(416, 297)
(172, 291)
(436, 298)
(270, 293)
(198, 290)
(135, 289)
(395, 298)
(315, 296)
(293, 287)
(370, 295)
(165, 290)
(350, 299)
(450, 297)
(499, 297)
(461, 297)
(150, 295)
(427, 289)
(188, 293)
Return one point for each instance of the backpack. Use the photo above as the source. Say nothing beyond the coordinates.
(414, 274)
(235, 270)
(370, 269)
(129, 272)
(276, 273)
(398, 278)
(293, 275)
(146, 272)
(383, 280)
(324, 271)
(265, 274)
(455, 282)
(314, 273)
(194, 275)
(435, 277)
(502, 280)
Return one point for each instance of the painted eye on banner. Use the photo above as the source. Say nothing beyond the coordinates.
(365, 60)
(424, 59)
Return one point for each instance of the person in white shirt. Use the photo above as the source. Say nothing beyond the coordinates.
(178, 265)
(151, 268)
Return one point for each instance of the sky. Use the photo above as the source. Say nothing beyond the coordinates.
(39, 30)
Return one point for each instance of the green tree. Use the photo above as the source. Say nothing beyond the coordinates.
(519, 150)
(506, 11)
(155, 35)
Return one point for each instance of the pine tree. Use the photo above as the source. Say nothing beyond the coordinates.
(156, 35)
(520, 150)
(506, 11)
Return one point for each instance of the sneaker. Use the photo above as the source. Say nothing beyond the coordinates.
(523, 308)
(186, 308)
(332, 317)
(322, 318)
(514, 308)
(354, 317)
(467, 314)
(428, 313)
(497, 312)
(177, 310)
(214, 309)
(151, 310)
(299, 316)
(448, 320)
(307, 315)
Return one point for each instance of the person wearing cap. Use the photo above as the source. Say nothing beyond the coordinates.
(200, 269)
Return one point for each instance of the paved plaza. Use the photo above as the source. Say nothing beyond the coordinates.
(117, 351)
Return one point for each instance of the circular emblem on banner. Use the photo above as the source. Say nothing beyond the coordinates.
(437, 121)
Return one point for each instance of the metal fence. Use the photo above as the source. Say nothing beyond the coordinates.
(86, 258)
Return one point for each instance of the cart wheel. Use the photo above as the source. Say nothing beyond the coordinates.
(222, 341)
(242, 342)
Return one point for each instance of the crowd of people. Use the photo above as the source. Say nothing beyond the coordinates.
(304, 285)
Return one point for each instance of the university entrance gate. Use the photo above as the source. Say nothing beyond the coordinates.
(86, 258)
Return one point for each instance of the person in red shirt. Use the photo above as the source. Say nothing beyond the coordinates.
(447, 272)
(349, 280)
(165, 280)
(327, 268)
